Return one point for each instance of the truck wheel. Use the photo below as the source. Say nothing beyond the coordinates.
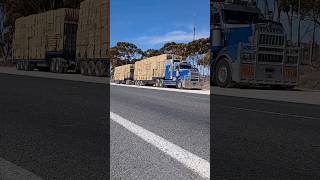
(157, 83)
(98, 69)
(92, 68)
(223, 74)
(81, 68)
(17, 65)
(22, 65)
(30, 67)
(84, 68)
(101, 69)
(52, 65)
(162, 83)
(179, 85)
(25, 66)
(59, 66)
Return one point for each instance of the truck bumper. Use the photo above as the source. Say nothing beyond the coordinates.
(259, 75)
(192, 85)
(268, 82)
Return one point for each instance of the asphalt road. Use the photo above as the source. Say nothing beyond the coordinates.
(56, 129)
(180, 118)
(262, 139)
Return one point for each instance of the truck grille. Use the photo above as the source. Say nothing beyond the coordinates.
(271, 40)
(194, 75)
(271, 43)
(270, 58)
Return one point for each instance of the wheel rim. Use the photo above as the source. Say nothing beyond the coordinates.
(223, 74)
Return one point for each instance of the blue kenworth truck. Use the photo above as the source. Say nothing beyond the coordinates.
(249, 49)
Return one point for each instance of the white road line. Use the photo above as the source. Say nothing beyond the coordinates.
(10, 171)
(188, 159)
(273, 113)
(201, 92)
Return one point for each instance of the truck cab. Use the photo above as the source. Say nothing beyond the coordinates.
(248, 48)
(181, 74)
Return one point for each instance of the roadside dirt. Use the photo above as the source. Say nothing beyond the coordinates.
(205, 83)
(6, 63)
(310, 78)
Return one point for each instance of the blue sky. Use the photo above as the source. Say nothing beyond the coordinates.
(151, 23)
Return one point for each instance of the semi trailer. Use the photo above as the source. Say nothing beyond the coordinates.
(65, 39)
(160, 71)
(250, 49)
(124, 74)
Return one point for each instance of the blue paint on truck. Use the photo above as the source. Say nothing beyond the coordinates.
(179, 74)
(248, 48)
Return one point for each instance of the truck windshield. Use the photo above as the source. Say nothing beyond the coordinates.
(237, 17)
(185, 66)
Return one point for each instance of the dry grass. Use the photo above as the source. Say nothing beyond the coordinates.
(205, 83)
(6, 63)
(309, 77)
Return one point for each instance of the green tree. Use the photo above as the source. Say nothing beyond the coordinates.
(151, 53)
(289, 7)
(124, 53)
(175, 48)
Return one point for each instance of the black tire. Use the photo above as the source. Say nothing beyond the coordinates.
(52, 67)
(91, 68)
(81, 68)
(179, 85)
(57, 66)
(98, 69)
(21, 65)
(30, 67)
(25, 65)
(162, 84)
(101, 69)
(60, 67)
(17, 66)
(84, 68)
(222, 74)
(157, 83)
